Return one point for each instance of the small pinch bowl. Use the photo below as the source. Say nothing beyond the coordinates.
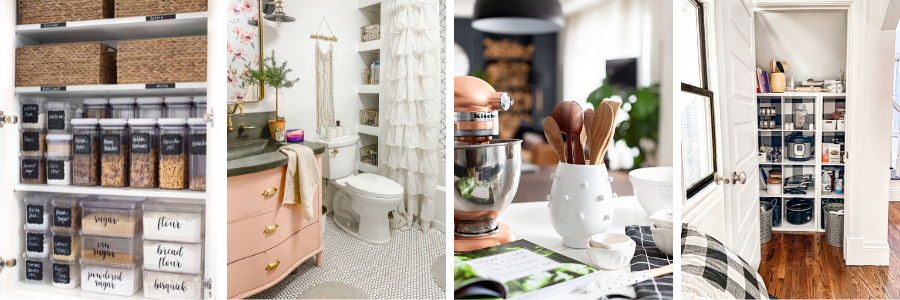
(611, 259)
(663, 238)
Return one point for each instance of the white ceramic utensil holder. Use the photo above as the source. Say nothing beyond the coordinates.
(580, 204)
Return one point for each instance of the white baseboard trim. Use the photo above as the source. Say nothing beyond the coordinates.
(439, 226)
(866, 253)
(894, 190)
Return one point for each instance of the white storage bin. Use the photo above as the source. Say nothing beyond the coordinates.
(165, 285)
(120, 281)
(174, 220)
(173, 256)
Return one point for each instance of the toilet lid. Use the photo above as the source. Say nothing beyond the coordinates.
(375, 186)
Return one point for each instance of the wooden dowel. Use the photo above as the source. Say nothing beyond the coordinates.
(327, 38)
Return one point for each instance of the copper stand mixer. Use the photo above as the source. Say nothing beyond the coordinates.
(486, 171)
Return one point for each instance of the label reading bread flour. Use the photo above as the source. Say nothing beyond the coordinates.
(112, 144)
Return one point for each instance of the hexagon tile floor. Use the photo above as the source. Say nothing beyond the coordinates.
(400, 269)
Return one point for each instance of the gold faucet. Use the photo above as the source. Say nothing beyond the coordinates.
(231, 111)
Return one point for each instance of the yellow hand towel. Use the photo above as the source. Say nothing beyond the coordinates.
(302, 178)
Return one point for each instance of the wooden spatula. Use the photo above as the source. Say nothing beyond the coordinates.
(599, 132)
(586, 133)
(614, 106)
(554, 137)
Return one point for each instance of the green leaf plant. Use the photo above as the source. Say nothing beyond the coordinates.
(271, 74)
(641, 130)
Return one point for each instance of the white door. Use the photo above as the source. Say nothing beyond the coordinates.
(9, 209)
(737, 88)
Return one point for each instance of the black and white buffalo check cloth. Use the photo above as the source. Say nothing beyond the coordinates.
(647, 256)
(705, 257)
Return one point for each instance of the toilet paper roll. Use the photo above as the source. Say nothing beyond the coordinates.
(330, 133)
(347, 130)
(338, 132)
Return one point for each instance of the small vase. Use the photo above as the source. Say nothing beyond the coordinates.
(776, 82)
(580, 202)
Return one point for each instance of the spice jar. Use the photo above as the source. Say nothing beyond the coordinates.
(66, 275)
(37, 269)
(37, 212)
(178, 107)
(122, 108)
(176, 220)
(95, 108)
(59, 144)
(198, 154)
(33, 170)
(34, 113)
(33, 142)
(85, 152)
(66, 246)
(165, 285)
(144, 153)
(112, 216)
(59, 115)
(37, 244)
(120, 281)
(66, 213)
(199, 109)
(59, 169)
(173, 165)
(114, 154)
(150, 108)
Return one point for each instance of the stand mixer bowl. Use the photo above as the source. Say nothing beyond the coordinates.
(485, 181)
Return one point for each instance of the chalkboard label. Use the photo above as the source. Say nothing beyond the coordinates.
(34, 270)
(112, 144)
(61, 273)
(62, 245)
(61, 88)
(56, 169)
(83, 144)
(53, 25)
(62, 217)
(34, 242)
(198, 144)
(172, 144)
(31, 141)
(30, 169)
(170, 85)
(161, 17)
(30, 113)
(34, 214)
(140, 143)
(56, 120)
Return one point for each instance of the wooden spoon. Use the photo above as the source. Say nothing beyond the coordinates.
(554, 137)
(561, 114)
(576, 126)
(599, 132)
(614, 106)
(586, 133)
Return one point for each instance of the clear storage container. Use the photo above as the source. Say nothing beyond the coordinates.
(198, 154)
(59, 115)
(79, 113)
(37, 269)
(199, 109)
(33, 142)
(66, 213)
(166, 285)
(86, 142)
(173, 162)
(66, 246)
(59, 169)
(59, 144)
(111, 251)
(150, 108)
(37, 212)
(122, 108)
(178, 107)
(112, 216)
(144, 172)
(95, 108)
(37, 244)
(66, 274)
(34, 113)
(173, 256)
(33, 170)
(115, 153)
(177, 220)
(120, 281)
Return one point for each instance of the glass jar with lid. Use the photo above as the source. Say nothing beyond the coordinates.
(799, 116)
(115, 149)
(95, 108)
(122, 108)
(34, 113)
(33, 170)
(59, 115)
(150, 108)
(178, 107)
(199, 109)
(173, 162)
(144, 153)
(198, 154)
(85, 152)
(33, 142)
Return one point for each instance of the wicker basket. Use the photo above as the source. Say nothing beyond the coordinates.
(135, 8)
(369, 154)
(370, 32)
(162, 60)
(65, 64)
(834, 225)
(53, 11)
(368, 117)
(765, 222)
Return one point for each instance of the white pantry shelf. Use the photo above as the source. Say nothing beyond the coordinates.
(369, 47)
(111, 191)
(370, 130)
(112, 90)
(370, 5)
(132, 28)
(366, 167)
(20, 289)
(368, 89)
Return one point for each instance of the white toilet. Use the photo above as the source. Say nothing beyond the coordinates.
(360, 202)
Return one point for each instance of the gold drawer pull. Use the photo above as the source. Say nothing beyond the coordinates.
(271, 228)
(272, 265)
(335, 151)
(270, 191)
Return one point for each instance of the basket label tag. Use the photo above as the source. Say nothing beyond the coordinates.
(53, 88)
(170, 85)
(53, 25)
(161, 17)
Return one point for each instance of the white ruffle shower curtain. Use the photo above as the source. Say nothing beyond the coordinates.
(411, 91)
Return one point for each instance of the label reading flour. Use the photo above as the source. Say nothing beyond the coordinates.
(31, 141)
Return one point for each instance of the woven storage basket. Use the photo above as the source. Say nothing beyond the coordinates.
(368, 117)
(65, 64)
(162, 60)
(369, 154)
(834, 225)
(135, 8)
(765, 223)
(52, 11)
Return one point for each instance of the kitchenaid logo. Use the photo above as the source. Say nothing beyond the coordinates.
(169, 287)
(163, 223)
(483, 116)
(105, 221)
(106, 275)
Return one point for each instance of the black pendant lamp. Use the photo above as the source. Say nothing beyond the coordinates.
(518, 17)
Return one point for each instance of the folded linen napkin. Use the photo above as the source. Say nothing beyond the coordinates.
(302, 178)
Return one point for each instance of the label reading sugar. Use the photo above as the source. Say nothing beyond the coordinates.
(140, 143)
(105, 220)
(62, 245)
(82, 144)
(198, 144)
(161, 17)
(169, 85)
(34, 214)
(171, 144)
(56, 119)
(30, 169)
(34, 242)
(62, 217)
(34, 270)
(61, 88)
(112, 144)
(53, 25)
(31, 141)
(61, 273)
(30, 113)
(56, 169)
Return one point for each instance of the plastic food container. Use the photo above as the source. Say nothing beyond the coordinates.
(173, 162)
(166, 285)
(121, 281)
(66, 246)
(33, 170)
(66, 275)
(33, 142)
(37, 244)
(37, 212)
(59, 144)
(111, 251)
(66, 213)
(150, 108)
(59, 115)
(199, 109)
(173, 256)
(144, 163)
(178, 107)
(86, 142)
(122, 108)
(112, 216)
(59, 170)
(198, 154)
(773, 186)
(34, 114)
(37, 269)
(114, 154)
(95, 108)
(175, 220)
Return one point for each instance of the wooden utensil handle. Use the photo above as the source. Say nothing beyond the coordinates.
(656, 272)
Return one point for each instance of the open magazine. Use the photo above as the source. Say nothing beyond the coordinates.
(512, 269)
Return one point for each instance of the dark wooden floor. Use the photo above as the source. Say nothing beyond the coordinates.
(804, 266)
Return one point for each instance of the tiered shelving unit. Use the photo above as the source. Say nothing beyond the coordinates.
(370, 52)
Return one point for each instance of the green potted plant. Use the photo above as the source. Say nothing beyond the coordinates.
(274, 75)
(641, 130)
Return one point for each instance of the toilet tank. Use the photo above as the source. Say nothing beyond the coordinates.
(339, 159)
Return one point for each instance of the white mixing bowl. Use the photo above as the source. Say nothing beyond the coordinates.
(653, 188)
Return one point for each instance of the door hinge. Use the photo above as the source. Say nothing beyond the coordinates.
(7, 119)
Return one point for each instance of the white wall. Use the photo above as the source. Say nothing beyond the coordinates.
(813, 43)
